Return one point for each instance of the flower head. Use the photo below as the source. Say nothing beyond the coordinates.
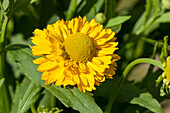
(166, 73)
(76, 52)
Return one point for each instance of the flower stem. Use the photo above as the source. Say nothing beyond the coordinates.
(33, 110)
(4, 95)
(110, 8)
(151, 41)
(123, 77)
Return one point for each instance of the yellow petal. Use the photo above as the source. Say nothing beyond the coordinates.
(47, 65)
(92, 23)
(100, 78)
(40, 50)
(40, 32)
(83, 79)
(45, 75)
(110, 71)
(95, 67)
(85, 29)
(39, 60)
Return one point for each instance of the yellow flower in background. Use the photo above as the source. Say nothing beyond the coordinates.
(76, 52)
(166, 73)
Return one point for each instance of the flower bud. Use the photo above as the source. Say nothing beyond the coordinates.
(166, 4)
(100, 17)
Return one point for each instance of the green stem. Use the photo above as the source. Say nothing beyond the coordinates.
(110, 8)
(165, 46)
(71, 9)
(105, 7)
(124, 75)
(2, 45)
(4, 95)
(151, 41)
(33, 110)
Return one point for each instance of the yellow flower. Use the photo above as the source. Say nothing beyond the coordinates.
(76, 52)
(166, 73)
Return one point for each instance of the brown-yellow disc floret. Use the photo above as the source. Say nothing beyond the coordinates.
(79, 47)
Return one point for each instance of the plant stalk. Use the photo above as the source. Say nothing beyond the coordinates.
(123, 77)
(5, 101)
(151, 41)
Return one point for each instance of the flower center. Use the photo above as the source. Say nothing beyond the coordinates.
(79, 47)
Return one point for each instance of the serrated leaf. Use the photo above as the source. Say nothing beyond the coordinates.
(19, 93)
(74, 98)
(2, 81)
(146, 100)
(30, 97)
(117, 20)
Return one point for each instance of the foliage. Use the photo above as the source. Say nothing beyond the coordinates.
(142, 30)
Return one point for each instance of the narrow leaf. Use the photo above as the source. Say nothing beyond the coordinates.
(110, 8)
(2, 81)
(29, 98)
(117, 20)
(164, 18)
(19, 93)
(146, 100)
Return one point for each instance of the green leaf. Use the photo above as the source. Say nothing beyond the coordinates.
(5, 4)
(116, 28)
(89, 8)
(152, 11)
(19, 4)
(19, 93)
(30, 97)
(53, 19)
(146, 100)
(48, 100)
(129, 89)
(117, 20)
(110, 8)
(140, 22)
(71, 9)
(164, 18)
(2, 81)
(21, 54)
(151, 28)
(74, 98)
